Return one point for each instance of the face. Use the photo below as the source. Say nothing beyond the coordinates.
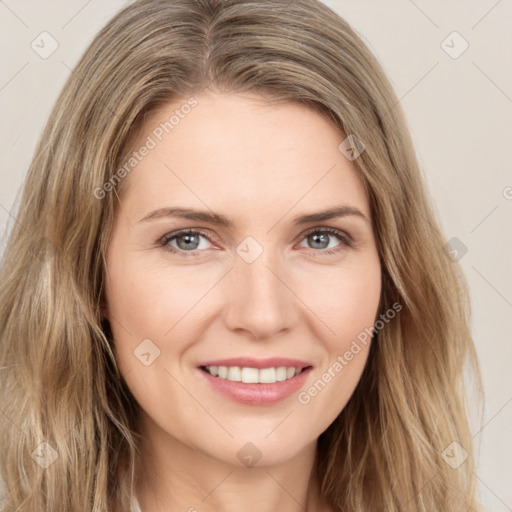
(217, 262)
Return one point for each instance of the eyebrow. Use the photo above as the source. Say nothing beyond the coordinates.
(215, 218)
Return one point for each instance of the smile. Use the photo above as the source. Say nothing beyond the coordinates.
(250, 381)
(250, 375)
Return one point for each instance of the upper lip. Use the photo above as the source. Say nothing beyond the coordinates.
(250, 362)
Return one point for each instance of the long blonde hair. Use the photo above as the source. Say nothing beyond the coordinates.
(68, 426)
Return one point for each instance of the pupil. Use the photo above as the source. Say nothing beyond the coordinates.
(316, 238)
(188, 239)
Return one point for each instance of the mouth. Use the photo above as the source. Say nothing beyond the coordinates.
(256, 382)
(250, 375)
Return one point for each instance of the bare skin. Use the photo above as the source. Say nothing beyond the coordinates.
(261, 166)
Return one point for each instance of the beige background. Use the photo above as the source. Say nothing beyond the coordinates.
(459, 110)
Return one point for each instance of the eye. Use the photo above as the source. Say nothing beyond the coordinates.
(187, 240)
(319, 239)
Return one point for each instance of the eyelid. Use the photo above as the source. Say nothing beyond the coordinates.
(174, 234)
(333, 231)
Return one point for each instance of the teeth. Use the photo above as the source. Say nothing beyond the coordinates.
(267, 375)
(250, 375)
(234, 374)
(281, 373)
(253, 375)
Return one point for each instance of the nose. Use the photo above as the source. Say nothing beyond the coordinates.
(260, 301)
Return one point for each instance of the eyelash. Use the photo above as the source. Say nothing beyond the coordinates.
(344, 238)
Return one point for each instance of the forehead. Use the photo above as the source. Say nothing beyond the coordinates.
(239, 152)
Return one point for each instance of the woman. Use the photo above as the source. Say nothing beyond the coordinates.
(173, 338)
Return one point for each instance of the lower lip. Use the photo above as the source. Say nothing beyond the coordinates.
(257, 394)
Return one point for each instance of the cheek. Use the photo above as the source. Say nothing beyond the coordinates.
(153, 301)
(142, 303)
(347, 306)
(357, 303)
(145, 294)
(346, 299)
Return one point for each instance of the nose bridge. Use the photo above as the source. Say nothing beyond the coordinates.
(259, 301)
